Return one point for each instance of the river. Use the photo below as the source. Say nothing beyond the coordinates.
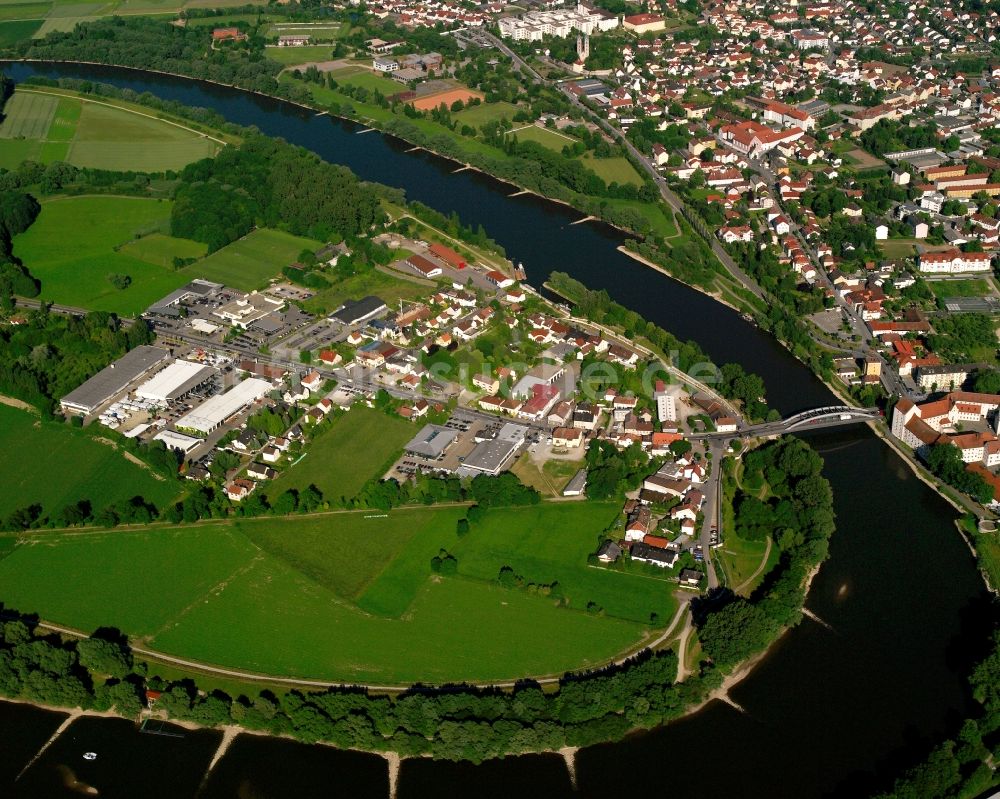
(834, 707)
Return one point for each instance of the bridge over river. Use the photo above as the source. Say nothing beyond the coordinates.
(814, 419)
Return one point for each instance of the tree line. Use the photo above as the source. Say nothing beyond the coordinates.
(799, 515)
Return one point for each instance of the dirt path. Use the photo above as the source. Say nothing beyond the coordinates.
(130, 457)
(756, 574)
(16, 403)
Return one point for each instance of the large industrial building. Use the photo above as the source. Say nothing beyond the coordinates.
(432, 441)
(215, 410)
(113, 379)
(178, 379)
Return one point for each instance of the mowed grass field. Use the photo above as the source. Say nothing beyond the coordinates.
(347, 454)
(160, 249)
(290, 56)
(248, 263)
(485, 112)
(47, 127)
(275, 596)
(613, 170)
(55, 465)
(71, 249)
(960, 288)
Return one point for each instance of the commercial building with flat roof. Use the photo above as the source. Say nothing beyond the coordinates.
(175, 381)
(215, 410)
(360, 311)
(111, 380)
(432, 441)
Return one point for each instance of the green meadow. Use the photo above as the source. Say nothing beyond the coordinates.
(85, 468)
(248, 263)
(349, 595)
(347, 454)
(74, 245)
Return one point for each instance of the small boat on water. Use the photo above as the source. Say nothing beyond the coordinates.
(90, 755)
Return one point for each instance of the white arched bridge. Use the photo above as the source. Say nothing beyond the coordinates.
(815, 418)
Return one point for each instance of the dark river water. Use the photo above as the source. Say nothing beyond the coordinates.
(832, 711)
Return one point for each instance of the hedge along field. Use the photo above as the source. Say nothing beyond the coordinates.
(347, 454)
(71, 249)
(248, 263)
(55, 465)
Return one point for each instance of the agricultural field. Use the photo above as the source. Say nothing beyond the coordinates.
(317, 30)
(346, 455)
(160, 249)
(277, 596)
(46, 127)
(74, 244)
(248, 263)
(88, 469)
(14, 31)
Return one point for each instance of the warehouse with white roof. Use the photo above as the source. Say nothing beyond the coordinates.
(215, 410)
(175, 381)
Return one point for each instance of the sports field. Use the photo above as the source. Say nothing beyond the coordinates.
(346, 455)
(248, 263)
(362, 76)
(349, 595)
(86, 469)
(46, 127)
(73, 246)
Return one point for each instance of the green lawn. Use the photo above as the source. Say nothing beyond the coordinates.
(613, 170)
(345, 552)
(248, 263)
(550, 542)
(347, 454)
(136, 581)
(988, 550)
(160, 249)
(272, 619)
(485, 112)
(362, 76)
(898, 248)
(44, 127)
(269, 595)
(741, 558)
(547, 138)
(291, 56)
(86, 469)
(661, 220)
(71, 249)
(550, 479)
(960, 288)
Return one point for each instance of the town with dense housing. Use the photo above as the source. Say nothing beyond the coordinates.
(331, 415)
